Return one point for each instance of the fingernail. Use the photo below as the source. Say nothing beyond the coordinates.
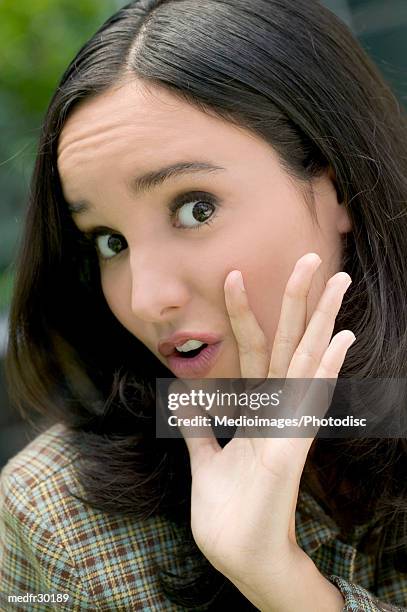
(237, 279)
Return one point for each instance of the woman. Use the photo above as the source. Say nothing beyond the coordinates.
(264, 126)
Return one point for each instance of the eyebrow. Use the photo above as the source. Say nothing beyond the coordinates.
(148, 181)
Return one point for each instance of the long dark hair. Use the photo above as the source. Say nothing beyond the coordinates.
(292, 73)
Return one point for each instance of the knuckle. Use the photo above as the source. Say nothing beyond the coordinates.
(245, 348)
(306, 354)
(275, 373)
(253, 344)
(291, 290)
(322, 312)
(325, 372)
(261, 343)
(284, 339)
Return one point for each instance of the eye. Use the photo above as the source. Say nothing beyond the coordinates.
(194, 209)
(104, 242)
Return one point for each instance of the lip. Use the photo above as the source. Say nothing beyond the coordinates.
(197, 366)
(167, 347)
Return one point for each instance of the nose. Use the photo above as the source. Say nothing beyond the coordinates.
(158, 291)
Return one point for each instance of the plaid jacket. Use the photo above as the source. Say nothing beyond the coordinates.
(51, 546)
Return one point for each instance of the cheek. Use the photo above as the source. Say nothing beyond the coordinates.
(265, 288)
(266, 270)
(116, 297)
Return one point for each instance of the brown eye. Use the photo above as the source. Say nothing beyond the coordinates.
(195, 213)
(114, 242)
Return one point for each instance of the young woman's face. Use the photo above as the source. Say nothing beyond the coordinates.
(162, 271)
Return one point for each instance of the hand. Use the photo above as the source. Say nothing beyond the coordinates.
(244, 495)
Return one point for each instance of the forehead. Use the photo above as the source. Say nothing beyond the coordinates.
(128, 106)
(147, 124)
(152, 119)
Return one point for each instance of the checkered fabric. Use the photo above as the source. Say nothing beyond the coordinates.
(51, 544)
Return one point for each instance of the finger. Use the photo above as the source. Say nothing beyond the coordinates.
(292, 322)
(308, 354)
(199, 438)
(318, 398)
(251, 341)
(334, 356)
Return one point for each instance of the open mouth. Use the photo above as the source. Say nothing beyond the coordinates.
(189, 354)
(195, 363)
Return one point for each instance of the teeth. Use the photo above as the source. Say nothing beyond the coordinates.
(189, 345)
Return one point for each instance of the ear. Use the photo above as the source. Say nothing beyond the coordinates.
(344, 223)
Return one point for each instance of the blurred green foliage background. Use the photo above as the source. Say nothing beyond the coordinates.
(38, 38)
